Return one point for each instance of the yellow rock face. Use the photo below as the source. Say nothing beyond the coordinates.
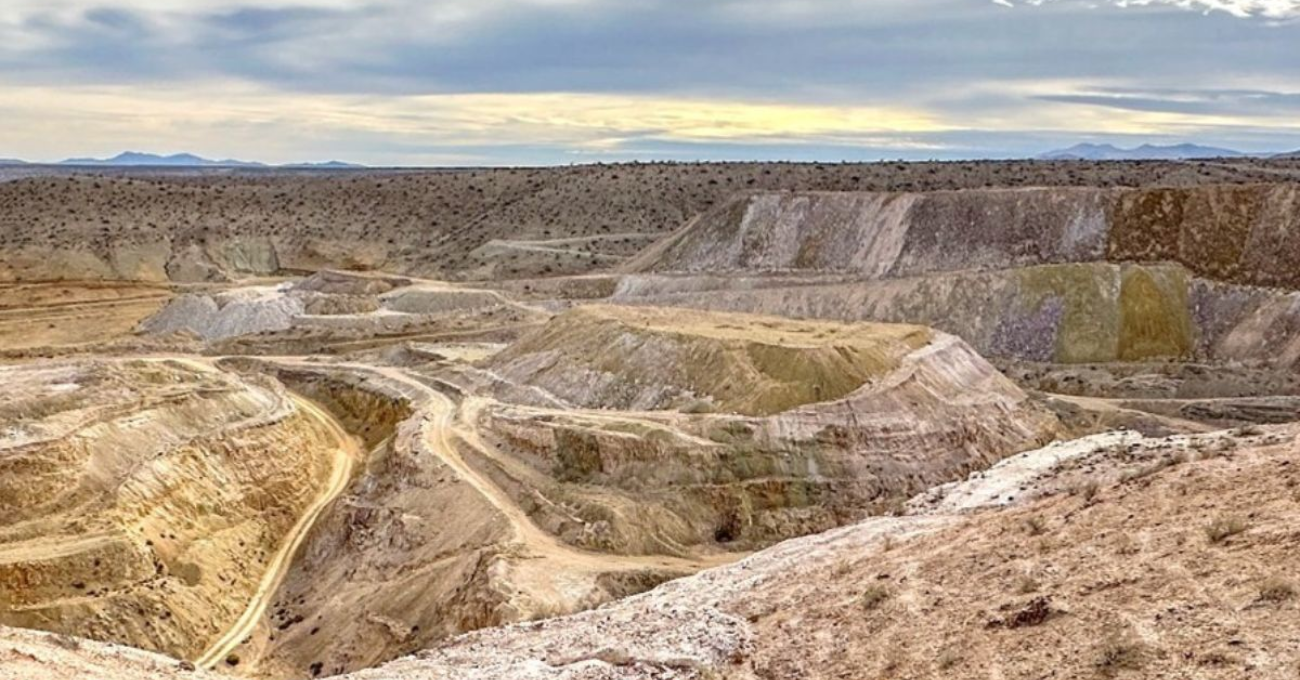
(1154, 319)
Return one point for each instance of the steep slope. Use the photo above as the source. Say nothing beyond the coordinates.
(1069, 313)
(422, 545)
(1154, 568)
(144, 501)
(1045, 275)
(1245, 235)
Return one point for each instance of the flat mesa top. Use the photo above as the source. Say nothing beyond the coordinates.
(755, 328)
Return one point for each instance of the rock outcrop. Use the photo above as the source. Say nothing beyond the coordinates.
(1067, 313)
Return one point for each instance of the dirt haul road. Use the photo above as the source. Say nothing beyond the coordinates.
(344, 455)
(440, 432)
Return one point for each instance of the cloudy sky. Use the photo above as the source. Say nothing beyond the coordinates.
(455, 82)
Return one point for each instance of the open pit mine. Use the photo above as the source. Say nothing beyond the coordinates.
(985, 420)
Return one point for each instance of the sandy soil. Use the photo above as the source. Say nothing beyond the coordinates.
(35, 316)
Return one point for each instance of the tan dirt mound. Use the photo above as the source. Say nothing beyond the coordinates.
(648, 358)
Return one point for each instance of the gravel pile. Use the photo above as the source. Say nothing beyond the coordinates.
(229, 315)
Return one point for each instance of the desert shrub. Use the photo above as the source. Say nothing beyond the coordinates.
(1027, 584)
(65, 641)
(1224, 448)
(1224, 527)
(873, 597)
(1125, 544)
(1276, 589)
(698, 406)
(1087, 490)
(1119, 654)
(948, 659)
(1250, 430)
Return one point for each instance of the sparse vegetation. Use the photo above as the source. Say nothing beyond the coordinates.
(66, 641)
(1224, 527)
(698, 406)
(1224, 447)
(1276, 589)
(1026, 584)
(1120, 653)
(1035, 525)
(948, 659)
(1087, 490)
(873, 596)
(1126, 545)
(1162, 463)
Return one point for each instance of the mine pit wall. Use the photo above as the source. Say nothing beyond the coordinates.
(363, 411)
(1247, 235)
(1049, 275)
(610, 492)
(1072, 313)
(186, 558)
(630, 494)
(404, 559)
(104, 566)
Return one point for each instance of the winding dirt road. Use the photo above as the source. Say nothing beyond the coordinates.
(345, 456)
(440, 434)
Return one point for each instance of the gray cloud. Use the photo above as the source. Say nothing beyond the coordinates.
(961, 60)
(1245, 9)
(1194, 102)
(654, 45)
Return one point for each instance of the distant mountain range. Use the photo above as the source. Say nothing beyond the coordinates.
(184, 160)
(1149, 152)
(1083, 152)
(1109, 152)
(187, 160)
